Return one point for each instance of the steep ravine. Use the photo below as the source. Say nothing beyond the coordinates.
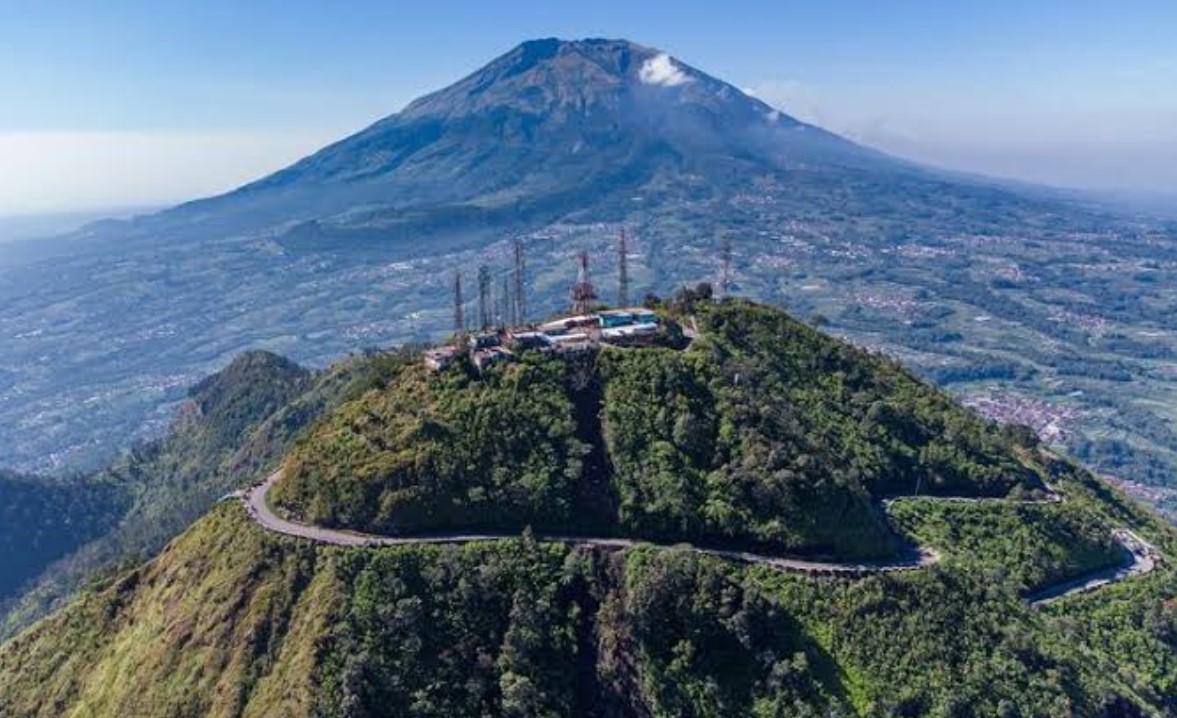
(596, 496)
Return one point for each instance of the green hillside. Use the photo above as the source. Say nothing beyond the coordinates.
(233, 621)
(236, 424)
(762, 432)
(1030, 545)
(428, 451)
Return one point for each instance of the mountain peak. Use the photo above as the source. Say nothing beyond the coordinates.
(601, 49)
(615, 57)
(531, 131)
(621, 58)
(550, 74)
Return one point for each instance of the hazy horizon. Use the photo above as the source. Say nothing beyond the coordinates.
(46, 225)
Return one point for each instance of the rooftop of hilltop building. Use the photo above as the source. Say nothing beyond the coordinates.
(573, 334)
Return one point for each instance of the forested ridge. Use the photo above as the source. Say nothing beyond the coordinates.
(764, 432)
(44, 518)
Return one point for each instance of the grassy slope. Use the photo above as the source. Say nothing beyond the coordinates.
(188, 634)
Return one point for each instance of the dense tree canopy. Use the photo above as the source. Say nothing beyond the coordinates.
(443, 450)
(43, 519)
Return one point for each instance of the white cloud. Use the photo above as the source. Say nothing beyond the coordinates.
(661, 70)
(793, 97)
(80, 170)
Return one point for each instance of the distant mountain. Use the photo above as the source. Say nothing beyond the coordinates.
(14, 228)
(542, 131)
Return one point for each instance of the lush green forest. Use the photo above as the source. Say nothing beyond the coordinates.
(762, 432)
(428, 451)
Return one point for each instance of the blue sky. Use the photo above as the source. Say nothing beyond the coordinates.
(131, 103)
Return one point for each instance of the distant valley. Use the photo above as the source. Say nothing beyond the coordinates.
(18, 227)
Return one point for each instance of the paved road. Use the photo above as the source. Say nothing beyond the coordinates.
(1140, 556)
(258, 507)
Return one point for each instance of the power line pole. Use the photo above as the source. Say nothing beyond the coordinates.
(622, 270)
(484, 306)
(459, 310)
(583, 293)
(520, 270)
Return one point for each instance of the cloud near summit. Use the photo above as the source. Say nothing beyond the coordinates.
(661, 70)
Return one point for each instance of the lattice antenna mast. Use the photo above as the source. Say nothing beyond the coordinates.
(459, 309)
(484, 301)
(505, 303)
(725, 278)
(492, 296)
(622, 270)
(520, 281)
(583, 293)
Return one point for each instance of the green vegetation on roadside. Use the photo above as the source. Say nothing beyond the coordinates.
(1027, 545)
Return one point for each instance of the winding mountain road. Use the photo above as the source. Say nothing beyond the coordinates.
(1139, 556)
(258, 507)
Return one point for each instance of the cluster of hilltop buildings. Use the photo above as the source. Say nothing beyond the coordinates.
(569, 335)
